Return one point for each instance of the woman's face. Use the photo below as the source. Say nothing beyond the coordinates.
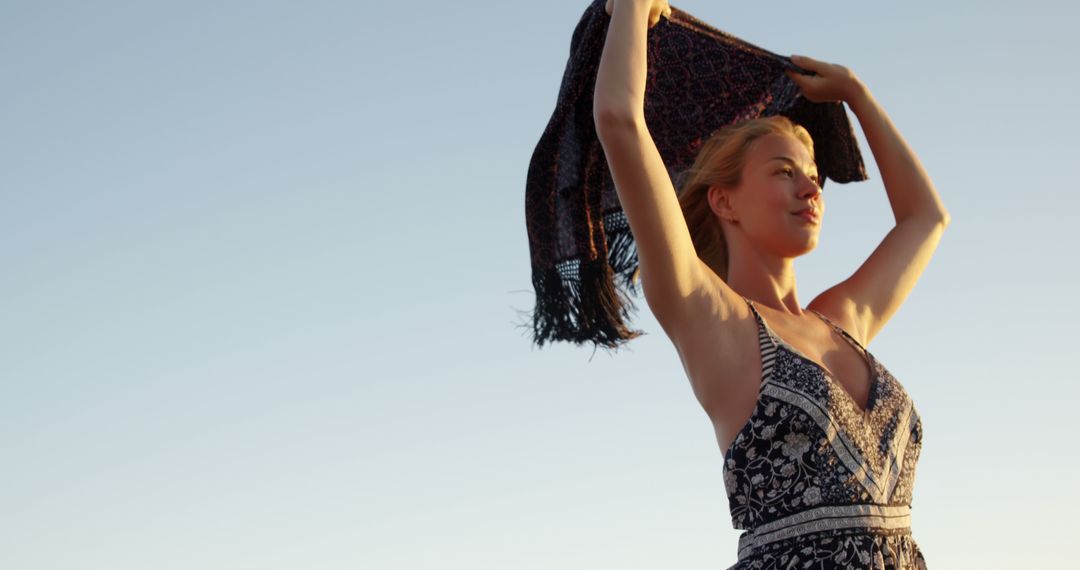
(778, 180)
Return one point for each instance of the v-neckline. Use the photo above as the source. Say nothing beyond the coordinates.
(866, 356)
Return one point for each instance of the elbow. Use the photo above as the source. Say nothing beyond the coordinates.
(609, 119)
(937, 217)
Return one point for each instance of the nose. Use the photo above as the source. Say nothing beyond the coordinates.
(809, 189)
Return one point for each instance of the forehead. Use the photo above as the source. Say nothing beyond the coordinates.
(773, 145)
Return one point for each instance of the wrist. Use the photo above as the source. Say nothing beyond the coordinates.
(857, 94)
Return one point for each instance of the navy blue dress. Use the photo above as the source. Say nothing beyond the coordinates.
(815, 481)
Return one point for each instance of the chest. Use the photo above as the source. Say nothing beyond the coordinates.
(724, 362)
(838, 356)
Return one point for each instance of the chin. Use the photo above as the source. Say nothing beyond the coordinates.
(804, 248)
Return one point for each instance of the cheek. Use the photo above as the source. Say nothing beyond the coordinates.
(778, 199)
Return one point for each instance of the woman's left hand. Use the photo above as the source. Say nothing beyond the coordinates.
(832, 83)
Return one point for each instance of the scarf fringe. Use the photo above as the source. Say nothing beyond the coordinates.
(589, 307)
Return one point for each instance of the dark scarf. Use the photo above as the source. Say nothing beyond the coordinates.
(700, 79)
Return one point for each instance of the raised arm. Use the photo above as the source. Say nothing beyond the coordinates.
(874, 293)
(669, 267)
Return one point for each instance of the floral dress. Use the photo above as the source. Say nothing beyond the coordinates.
(813, 480)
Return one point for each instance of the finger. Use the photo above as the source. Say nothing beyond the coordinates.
(806, 62)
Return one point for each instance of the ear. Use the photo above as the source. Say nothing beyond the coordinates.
(720, 202)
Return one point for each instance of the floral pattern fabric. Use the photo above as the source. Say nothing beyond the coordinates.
(814, 480)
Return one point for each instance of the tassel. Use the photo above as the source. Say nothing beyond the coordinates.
(586, 307)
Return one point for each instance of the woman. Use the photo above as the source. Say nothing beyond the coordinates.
(820, 440)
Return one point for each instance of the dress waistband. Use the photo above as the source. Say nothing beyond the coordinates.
(828, 517)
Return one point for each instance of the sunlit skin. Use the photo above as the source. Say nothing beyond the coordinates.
(705, 315)
(763, 233)
(708, 296)
(764, 236)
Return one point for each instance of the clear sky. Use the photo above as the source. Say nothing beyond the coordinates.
(264, 264)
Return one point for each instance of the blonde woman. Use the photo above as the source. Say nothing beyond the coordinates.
(820, 441)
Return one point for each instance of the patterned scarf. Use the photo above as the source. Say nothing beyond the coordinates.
(700, 79)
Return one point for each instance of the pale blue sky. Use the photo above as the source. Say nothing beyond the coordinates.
(263, 264)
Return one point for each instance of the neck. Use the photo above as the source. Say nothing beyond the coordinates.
(766, 280)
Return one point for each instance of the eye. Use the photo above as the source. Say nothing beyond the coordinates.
(788, 171)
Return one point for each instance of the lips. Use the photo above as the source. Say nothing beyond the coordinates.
(808, 214)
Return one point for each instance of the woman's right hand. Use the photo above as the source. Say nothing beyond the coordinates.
(657, 9)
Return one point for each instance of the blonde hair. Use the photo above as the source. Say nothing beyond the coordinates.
(720, 162)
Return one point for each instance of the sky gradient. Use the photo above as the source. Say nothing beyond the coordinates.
(265, 265)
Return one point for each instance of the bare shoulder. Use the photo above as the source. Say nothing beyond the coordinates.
(840, 310)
